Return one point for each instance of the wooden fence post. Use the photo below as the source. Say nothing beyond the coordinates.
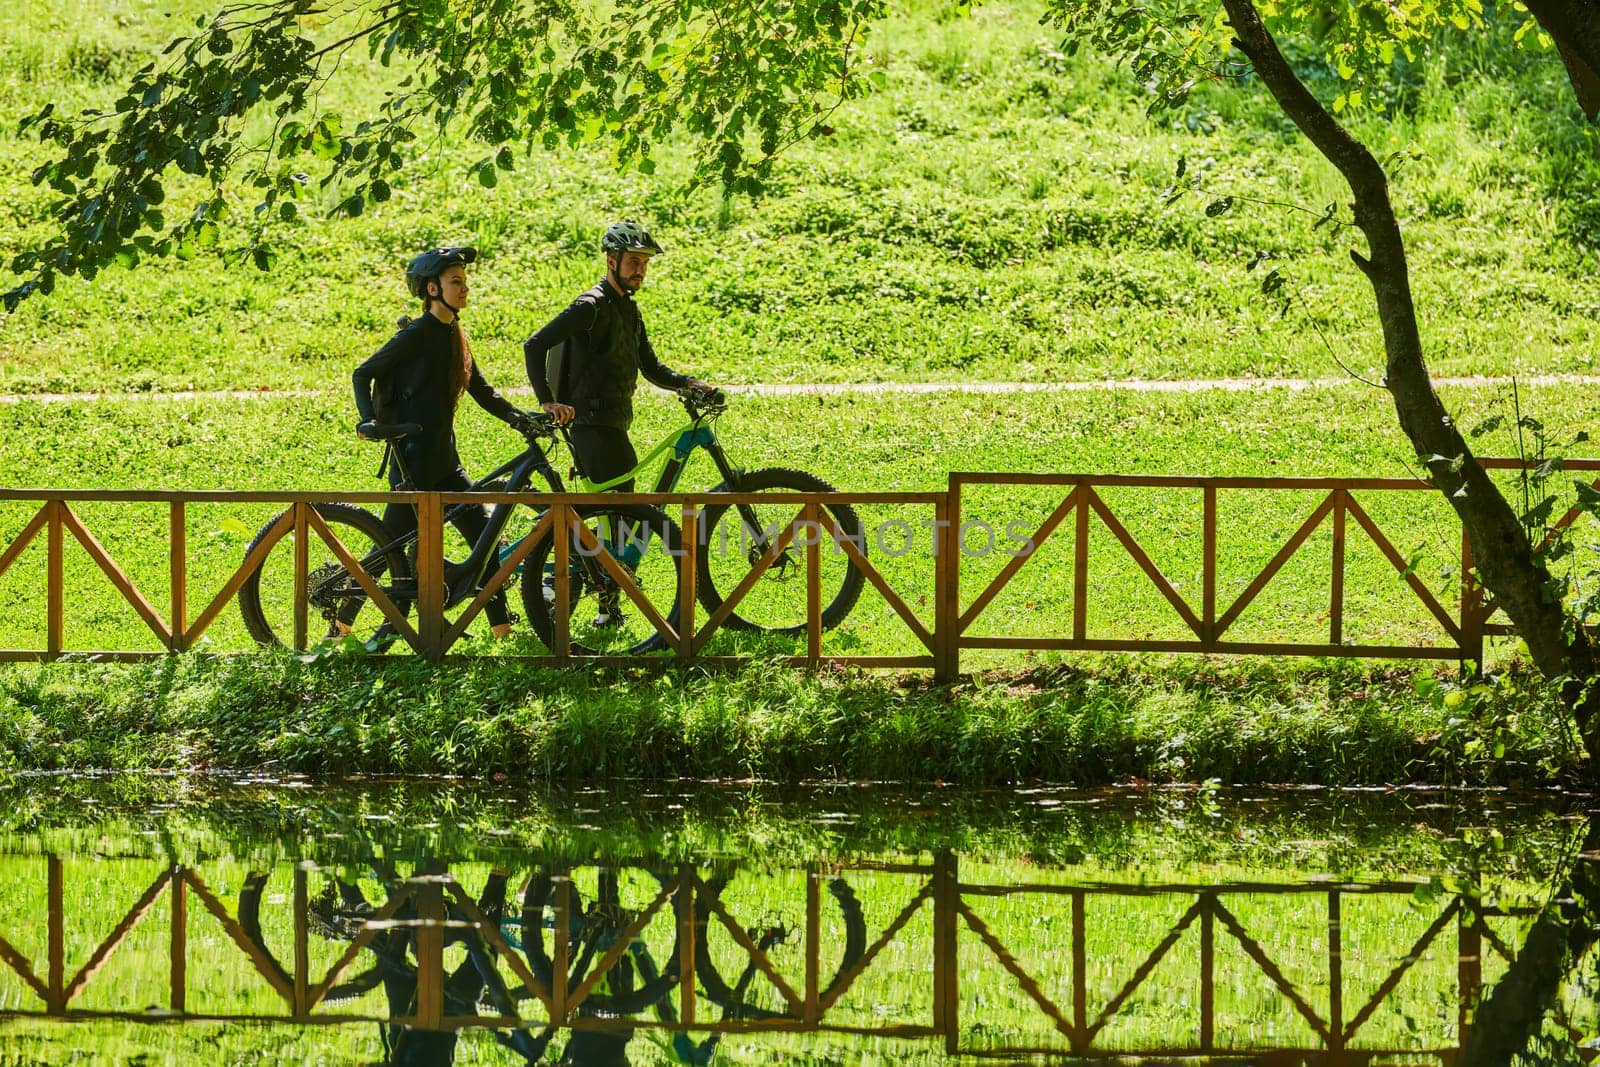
(1471, 611)
(430, 575)
(946, 965)
(54, 593)
(562, 518)
(688, 575)
(1336, 592)
(178, 569)
(1208, 566)
(430, 951)
(178, 942)
(946, 586)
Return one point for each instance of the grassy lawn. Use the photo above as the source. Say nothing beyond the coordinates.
(996, 213)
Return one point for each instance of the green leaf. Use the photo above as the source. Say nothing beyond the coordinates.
(206, 234)
(486, 175)
(264, 257)
(325, 139)
(1219, 206)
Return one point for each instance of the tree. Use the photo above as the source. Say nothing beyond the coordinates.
(745, 79)
(1178, 43)
(1575, 27)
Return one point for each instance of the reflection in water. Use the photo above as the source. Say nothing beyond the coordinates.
(726, 927)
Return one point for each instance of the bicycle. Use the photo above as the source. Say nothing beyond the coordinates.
(735, 538)
(641, 538)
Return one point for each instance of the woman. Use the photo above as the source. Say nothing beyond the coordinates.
(418, 377)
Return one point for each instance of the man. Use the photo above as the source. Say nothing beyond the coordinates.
(607, 349)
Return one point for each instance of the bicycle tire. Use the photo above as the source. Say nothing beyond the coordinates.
(725, 996)
(783, 613)
(266, 599)
(613, 1003)
(656, 572)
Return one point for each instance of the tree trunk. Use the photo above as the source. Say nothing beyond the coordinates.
(1575, 27)
(1505, 560)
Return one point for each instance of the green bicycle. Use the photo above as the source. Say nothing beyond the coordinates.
(733, 538)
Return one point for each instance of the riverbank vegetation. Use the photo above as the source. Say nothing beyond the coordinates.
(1117, 721)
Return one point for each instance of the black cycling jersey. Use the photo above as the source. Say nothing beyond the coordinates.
(408, 380)
(610, 351)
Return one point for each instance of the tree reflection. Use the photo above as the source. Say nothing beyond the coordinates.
(1512, 1019)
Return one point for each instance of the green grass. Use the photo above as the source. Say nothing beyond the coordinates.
(994, 213)
(1111, 721)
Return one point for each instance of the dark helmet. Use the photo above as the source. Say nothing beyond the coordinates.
(425, 266)
(628, 236)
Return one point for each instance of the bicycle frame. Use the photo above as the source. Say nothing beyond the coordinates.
(696, 434)
(517, 472)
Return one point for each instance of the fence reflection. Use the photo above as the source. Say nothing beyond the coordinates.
(588, 955)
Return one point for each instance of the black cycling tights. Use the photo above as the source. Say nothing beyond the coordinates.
(401, 519)
(604, 452)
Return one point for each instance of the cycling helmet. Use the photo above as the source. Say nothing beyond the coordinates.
(428, 265)
(628, 236)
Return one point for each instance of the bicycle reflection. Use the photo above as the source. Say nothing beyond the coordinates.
(602, 944)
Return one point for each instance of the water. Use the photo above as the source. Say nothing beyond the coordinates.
(154, 921)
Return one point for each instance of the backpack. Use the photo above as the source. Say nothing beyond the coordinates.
(557, 359)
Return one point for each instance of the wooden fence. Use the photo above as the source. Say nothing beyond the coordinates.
(935, 943)
(939, 640)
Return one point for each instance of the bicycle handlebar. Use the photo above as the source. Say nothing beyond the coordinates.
(703, 402)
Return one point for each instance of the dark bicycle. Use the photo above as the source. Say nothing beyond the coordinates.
(640, 539)
(736, 538)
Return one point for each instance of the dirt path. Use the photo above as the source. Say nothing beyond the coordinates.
(1188, 385)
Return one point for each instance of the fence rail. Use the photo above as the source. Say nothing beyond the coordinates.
(938, 642)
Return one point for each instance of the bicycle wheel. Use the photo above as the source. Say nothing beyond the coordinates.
(602, 619)
(337, 603)
(730, 544)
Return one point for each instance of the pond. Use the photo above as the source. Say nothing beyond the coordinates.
(208, 920)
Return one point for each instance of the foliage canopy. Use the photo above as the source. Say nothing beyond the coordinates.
(744, 80)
